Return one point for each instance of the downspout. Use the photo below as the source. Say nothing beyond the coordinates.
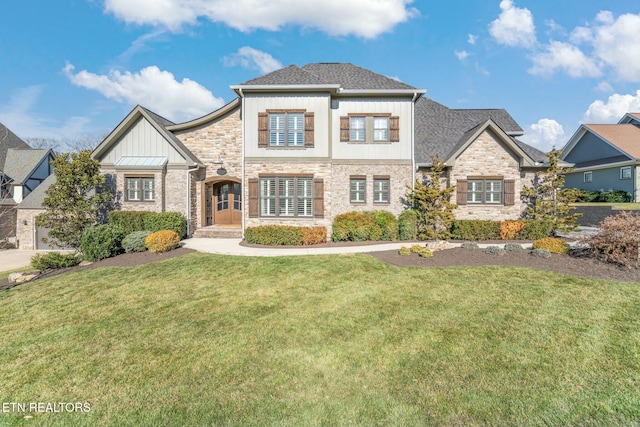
(242, 178)
(189, 198)
(413, 142)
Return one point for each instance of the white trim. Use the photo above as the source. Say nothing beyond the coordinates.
(584, 177)
(630, 173)
(605, 166)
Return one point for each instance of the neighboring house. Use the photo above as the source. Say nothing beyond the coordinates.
(22, 170)
(605, 156)
(301, 145)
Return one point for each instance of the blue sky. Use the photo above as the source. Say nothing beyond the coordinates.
(75, 68)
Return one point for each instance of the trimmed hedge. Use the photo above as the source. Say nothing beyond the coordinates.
(491, 230)
(131, 221)
(162, 241)
(134, 242)
(285, 235)
(408, 225)
(611, 196)
(55, 260)
(361, 226)
(102, 241)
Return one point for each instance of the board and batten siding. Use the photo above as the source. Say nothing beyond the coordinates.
(401, 107)
(143, 140)
(318, 104)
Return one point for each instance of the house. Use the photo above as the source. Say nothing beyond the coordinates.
(22, 171)
(605, 156)
(301, 145)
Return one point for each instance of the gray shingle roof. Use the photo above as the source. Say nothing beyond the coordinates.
(347, 75)
(440, 130)
(21, 162)
(8, 140)
(36, 197)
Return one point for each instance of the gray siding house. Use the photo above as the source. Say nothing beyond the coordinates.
(605, 156)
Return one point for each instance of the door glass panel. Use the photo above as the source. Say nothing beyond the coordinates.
(223, 197)
(237, 198)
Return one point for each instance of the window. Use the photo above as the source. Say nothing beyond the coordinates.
(588, 177)
(625, 172)
(357, 189)
(286, 196)
(357, 128)
(370, 127)
(286, 129)
(381, 190)
(140, 189)
(381, 128)
(486, 191)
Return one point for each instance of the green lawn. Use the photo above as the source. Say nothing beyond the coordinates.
(620, 206)
(332, 340)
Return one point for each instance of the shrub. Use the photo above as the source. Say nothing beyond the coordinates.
(386, 222)
(611, 196)
(509, 229)
(535, 229)
(102, 241)
(55, 260)
(313, 235)
(134, 242)
(162, 241)
(475, 230)
(408, 225)
(354, 226)
(513, 247)
(494, 250)
(552, 244)
(404, 251)
(423, 251)
(470, 246)
(542, 253)
(618, 240)
(274, 235)
(157, 221)
(129, 221)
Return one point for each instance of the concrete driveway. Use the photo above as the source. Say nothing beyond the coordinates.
(12, 259)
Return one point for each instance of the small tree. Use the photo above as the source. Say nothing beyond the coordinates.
(76, 200)
(432, 202)
(548, 200)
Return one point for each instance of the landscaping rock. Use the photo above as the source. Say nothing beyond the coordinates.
(438, 245)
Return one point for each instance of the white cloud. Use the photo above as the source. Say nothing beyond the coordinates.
(565, 57)
(335, 17)
(604, 87)
(614, 109)
(151, 87)
(252, 59)
(617, 44)
(472, 39)
(545, 135)
(514, 27)
(461, 54)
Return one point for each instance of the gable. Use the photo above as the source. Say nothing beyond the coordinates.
(588, 147)
(141, 139)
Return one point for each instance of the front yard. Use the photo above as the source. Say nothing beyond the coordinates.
(334, 340)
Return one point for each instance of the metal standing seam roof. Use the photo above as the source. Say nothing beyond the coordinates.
(625, 137)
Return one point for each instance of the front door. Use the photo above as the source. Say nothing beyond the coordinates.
(227, 203)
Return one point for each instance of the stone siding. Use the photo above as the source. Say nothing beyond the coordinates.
(488, 156)
(26, 228)
(220, 138)
(400, 175)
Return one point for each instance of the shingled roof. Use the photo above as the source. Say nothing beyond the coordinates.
(9, 140)
(440, 130)
(20, 163)
(346, 75)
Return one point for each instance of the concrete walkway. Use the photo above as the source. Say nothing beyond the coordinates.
(12, 259)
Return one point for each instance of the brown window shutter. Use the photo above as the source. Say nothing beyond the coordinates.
(318, 198)
(509, 192)
(461, 192)
(344, 129)
(394, 128)
(253, 197)
(263, 130)
(308, 130)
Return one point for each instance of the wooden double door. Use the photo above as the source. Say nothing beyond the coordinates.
(224, 204)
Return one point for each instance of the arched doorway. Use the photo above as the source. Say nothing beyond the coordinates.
(222, 202)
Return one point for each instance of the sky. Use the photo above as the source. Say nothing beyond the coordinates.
(74, 69)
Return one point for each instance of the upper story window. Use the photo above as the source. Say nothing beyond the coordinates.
(625, 172)
(285, 128)
(588, 177)
(369, 127)
(140, 189)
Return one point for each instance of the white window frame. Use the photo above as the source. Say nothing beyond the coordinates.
(286, 129)
(142, 191)
(381, 128)
(286, 197)
(623, 172)
(357, 133)
(380, 193)
(358, 190)
(488, 191)
(587, 177)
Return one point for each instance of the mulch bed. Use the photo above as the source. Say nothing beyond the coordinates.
(580, 266)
